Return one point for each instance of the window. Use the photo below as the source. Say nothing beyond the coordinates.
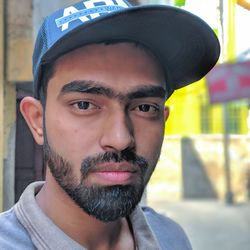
(206, 118)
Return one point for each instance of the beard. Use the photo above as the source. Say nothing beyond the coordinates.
(105, 203)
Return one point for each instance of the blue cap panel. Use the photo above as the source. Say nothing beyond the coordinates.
(67, 19)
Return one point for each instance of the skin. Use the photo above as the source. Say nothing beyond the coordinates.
(81, 124)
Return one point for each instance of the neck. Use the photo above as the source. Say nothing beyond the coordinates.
(77, 224)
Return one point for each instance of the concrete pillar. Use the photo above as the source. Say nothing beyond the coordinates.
(17, 62)
(9, 145)
(1, 102)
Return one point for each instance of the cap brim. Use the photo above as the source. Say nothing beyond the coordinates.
(184, 44)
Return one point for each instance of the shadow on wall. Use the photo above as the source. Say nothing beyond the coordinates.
(196, 183)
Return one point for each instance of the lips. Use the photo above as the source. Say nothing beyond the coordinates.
(114, 173)
(115, 167)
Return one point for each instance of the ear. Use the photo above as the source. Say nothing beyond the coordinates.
(32, 111)
(166, 113)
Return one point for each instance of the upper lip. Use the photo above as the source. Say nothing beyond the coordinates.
(115, 167)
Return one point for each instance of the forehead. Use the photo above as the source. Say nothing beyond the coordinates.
(121, 65)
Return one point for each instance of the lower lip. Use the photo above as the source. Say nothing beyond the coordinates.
(114, 178)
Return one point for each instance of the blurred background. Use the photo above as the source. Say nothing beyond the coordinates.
(202, 179)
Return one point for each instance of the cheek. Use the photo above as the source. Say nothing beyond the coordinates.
(149, 140)
(151, 151)
(154, 157)
(72, 139)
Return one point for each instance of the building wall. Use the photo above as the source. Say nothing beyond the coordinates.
(1, 102)
(7, 119)
(17, 46)
(19, 40)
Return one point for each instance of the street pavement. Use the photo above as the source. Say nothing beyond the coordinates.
(211, 225)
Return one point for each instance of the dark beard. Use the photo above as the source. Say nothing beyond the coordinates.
(105, 203)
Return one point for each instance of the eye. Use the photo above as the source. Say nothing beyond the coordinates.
(146, 108)
(84, 105)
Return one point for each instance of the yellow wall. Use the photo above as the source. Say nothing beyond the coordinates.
(185, 112)
(184, 107)
(217, 119)
(244, 115)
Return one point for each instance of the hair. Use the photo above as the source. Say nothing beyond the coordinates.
(48, 71)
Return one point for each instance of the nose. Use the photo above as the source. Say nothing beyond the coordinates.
(117, 132)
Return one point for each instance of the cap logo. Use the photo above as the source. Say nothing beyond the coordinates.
(91, 10)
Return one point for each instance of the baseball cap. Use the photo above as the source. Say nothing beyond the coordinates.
(186, 47)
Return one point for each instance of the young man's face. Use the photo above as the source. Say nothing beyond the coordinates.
(104, 125)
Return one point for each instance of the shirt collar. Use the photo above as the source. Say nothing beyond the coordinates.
(46, 235)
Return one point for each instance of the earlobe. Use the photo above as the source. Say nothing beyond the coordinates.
(32, 111)
(166, 113)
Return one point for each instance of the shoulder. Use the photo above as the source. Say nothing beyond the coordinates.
(164, 222)
(169, 234)
(12, 233)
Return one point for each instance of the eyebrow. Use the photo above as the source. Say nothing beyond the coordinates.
(148, 91)
(97, 88)
(89, 86)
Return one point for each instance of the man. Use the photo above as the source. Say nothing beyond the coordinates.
(102, 73)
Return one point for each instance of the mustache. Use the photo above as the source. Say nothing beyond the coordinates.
(90, 163)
